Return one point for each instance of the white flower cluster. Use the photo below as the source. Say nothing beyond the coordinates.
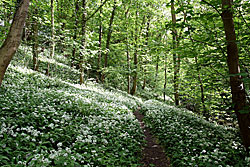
(191, 140)
(47, 121)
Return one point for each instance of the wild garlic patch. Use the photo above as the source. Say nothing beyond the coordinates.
(50, 122)
(192, 141)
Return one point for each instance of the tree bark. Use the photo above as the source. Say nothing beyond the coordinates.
(147, 52)
(237, 88)
(108, 39)
(84, 22)
(205, 113)
(156, 69)
(165, 78)
(100, 48)
(134, 86)
(13, 40)
(145, 79)
(73, 57)
(133, 90)
(35, 42)
(52, 50)
(176, 60)
(127, 50)
(128, 65)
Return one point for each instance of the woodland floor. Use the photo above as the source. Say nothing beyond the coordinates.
(152, 154)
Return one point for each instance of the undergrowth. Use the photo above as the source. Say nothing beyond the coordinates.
(46, 121)
(192, 141)
(52, 121)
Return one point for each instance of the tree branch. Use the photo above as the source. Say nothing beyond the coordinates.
(96, 10)
(209, 4)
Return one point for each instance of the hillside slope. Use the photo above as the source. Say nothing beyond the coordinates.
(46, 121)
(52, 121)
(193, 141)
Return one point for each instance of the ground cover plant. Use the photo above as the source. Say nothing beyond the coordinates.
(192, 141)
(50, 122)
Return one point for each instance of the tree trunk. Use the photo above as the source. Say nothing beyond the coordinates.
(73, 57)
(127, 51)
(100, 48)
(108, 39)
(157, 69)
(134, 86)
(52, 51)
(35, 42)
(165, 78)
(144, 80)
(176, 60)
(205, 113)
(147, 52)
(12, 42)
(128, 65)
(237, 88)
(133, 90)
(84, 21)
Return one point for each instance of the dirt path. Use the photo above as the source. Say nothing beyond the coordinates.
(153, 154)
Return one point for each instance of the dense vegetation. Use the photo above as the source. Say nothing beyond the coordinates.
(141, 30)
(192, 141)
(51, 122)
(63, 100)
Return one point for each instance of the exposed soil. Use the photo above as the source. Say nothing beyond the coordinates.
(152, 154)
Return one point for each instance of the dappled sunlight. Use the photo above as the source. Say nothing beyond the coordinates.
(124, 83)
(67, 121)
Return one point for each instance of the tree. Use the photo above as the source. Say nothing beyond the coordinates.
(52, 50)
(99, 75)
(135, 73)
(108, 39)
(13, 40)
(85, 19)
(35, 29)
(127, 49)
(237, 87)
(176, 58)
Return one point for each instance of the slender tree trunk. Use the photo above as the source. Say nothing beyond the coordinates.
(165, 78)
(12, 42)
(84, 21)
(176, 59)
(134, 86)
(147, 52)
(237, 88)
(73, 57)
(138, 34)
(108, 39)
(157, 68)
(144, 80)
(100, 48)
(35, 42)
(133, 90)
(52, 51)
(127, 51)
(63, 25)
(202, 89)
(128, 65)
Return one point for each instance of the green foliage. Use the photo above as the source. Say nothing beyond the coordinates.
(6, 9)
(45, 121)
(192, 141)
(50, 122)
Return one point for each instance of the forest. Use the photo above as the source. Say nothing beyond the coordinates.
(124, 83)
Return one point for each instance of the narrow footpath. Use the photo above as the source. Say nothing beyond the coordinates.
(152, 154)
